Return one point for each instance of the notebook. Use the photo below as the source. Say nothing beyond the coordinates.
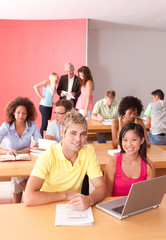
(143, 196)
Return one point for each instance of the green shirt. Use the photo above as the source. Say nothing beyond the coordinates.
(148, 111)
(101, 108)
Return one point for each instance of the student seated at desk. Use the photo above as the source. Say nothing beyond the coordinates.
(17, 132)
(53, 129)
(59, 171)
(106, 108)
(131, 165)
(130, 109)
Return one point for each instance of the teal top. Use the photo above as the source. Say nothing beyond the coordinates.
(48, 98)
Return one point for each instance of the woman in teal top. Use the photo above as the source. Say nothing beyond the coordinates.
(46, 103)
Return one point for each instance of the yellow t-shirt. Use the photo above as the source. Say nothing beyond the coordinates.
(58, 172)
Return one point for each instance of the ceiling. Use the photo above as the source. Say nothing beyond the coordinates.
(140, 13)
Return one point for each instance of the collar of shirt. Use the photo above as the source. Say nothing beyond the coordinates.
(105, 103)
(12, 127)
(60, 152)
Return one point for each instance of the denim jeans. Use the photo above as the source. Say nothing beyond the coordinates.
(46, 113)
(157, 139)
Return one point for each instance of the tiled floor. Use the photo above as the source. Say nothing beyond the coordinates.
(5, 193)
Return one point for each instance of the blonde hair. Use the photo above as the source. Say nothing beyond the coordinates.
(73, 117)
(53, 80)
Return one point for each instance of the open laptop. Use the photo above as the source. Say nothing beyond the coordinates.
(143, 196)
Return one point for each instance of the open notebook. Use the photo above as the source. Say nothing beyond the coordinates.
(19, 157)
(143, 196)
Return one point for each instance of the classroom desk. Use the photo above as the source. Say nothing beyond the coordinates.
(17, 168)
(24, 168)
(18, 222)
(154, 153)
(95, 126)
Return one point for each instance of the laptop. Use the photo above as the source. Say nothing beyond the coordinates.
(143, 196)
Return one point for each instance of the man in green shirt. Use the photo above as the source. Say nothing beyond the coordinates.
(106, 108)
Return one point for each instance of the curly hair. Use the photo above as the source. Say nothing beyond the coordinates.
(87, 73)
(20, 101)
(130, 102)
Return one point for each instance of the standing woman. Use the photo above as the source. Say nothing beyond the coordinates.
(17, 132)
(46, 103)
(85, 101)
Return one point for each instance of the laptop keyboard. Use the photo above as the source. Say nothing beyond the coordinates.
(118, 209)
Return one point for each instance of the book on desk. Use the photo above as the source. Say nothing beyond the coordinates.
(19, 157)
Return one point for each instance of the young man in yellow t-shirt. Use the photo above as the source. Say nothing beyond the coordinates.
(59, 171)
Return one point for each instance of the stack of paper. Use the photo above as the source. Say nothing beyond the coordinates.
(107, 122)
(113, 152)
(67, 215)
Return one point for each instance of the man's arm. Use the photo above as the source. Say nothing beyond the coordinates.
(99, 118)
(33, 196)
(82, 202)
(148, 119)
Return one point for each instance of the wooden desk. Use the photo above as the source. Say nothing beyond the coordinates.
(16, 169)
(24, 168)
(154, 153)
(18, 222)
(95, 126)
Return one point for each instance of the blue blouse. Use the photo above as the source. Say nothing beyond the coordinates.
(14, 141)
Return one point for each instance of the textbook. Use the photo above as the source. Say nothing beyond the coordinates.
(67, 215)
(19, 157)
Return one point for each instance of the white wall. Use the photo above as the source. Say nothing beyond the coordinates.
(129, 60)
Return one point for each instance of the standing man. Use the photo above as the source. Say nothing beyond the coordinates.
(53, 129)
(106, 108)
(156, 116)
(60, 170)
(70, 84)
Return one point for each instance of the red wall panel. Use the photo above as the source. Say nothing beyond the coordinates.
(31, 50)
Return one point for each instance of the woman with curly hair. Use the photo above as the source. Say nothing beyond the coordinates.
(130, 109)
(85, 100)
(17, 132)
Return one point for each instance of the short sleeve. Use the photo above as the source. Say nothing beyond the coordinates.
(51, 129)
(96, 108)
(148, 111)
(42, 166)
(93, 170)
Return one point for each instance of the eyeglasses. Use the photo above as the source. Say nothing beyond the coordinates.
(58, 113)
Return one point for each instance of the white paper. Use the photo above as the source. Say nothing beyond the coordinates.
(107, 122)
(68, 95)
(45, 143)
(113, 152)
(67, 215)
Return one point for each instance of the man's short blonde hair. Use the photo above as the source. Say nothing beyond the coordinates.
(73, 117)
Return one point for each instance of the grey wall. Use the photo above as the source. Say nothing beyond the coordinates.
(129, 60)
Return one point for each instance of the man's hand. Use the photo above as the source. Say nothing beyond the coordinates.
(69, 194)
(80, 201)
(100, 118)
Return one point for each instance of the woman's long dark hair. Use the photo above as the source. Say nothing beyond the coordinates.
(87, 73)
(140, 132)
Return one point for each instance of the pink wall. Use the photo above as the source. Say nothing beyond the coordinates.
(31, 50)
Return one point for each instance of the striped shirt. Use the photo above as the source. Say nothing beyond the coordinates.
(101, 108)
